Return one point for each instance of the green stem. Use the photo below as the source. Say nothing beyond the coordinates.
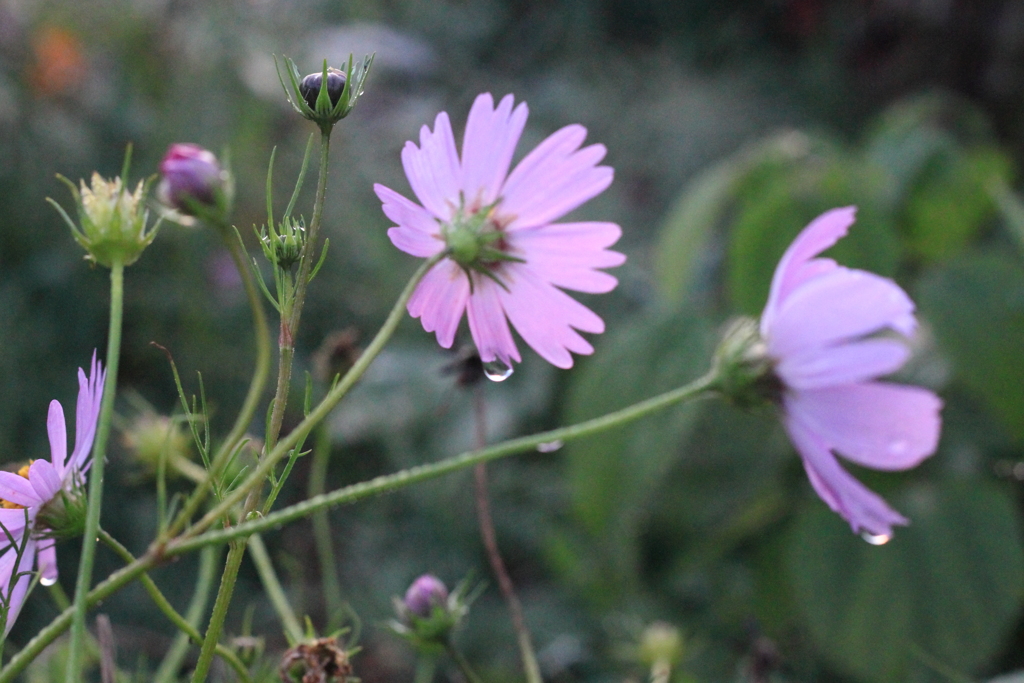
(220, 611)
(322, 527)
(291, 311)
(392, 482)
(256, 386)
(259, 475)
(425, 667)
(99, 452)
(167, 608)
(169, 667)
(271, 584)
(348, 494)
(463, 665)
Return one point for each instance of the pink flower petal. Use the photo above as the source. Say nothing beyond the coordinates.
(14, 521)
(433, 168)
(47, 559)
(796, 265)
(567, 254)
(415, 242)
(44, 479)
(545, 316)
(487, 324)
(406, 213)
(840, 305)
(861, 507)
(844, 364)
(90, 395)
(491, 138)
(882, 426)
(440, 300)
(18, 490)
(58, 433)
(554, 179)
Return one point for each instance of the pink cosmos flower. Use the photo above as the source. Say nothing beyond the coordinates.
(26, 493)
(829, 331)
(507, 261)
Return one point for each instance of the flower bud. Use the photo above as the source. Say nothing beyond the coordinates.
(343, 89)
(112, 220)
(309, 88)
(745, 373)
(284, 247)
(424, 595)
(192, 180)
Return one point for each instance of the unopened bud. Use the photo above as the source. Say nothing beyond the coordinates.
(309, 88)
(425, 594)
(193, 181)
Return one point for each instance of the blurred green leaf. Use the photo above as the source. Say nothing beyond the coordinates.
(950, 585)
(684, 242)
(977, 308)
(781, 200)
(951, 201)
(613, 478)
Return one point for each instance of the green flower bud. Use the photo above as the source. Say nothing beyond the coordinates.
(112, 220)
(283, 247)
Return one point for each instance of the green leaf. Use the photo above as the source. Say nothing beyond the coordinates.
(684, 241)
(778, 203)
(951, 201)
(976, 306)
(950, 585)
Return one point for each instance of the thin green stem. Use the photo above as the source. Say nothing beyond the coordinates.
(425, 667)
(322, 527)
(309, 247)
(259, 475)
(413, 475)
(271, 584)
(256, 386)
(169, 667)
(220, 610)
(167, 608)
(698, 388)
(463, 665)
(99, 452)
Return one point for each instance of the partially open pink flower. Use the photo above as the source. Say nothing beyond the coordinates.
(831, 331)
(26, 494)
(507, 261)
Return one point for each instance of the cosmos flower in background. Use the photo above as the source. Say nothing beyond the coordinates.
(830, 332)
(47, 495)
(506, 260)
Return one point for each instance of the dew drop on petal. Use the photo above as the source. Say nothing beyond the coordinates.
(550, 446)
(47, 582)
(876, 539)
(497, 371)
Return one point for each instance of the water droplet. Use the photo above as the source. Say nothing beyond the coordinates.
(876, 539)
(550, 446)
(47, 582)
(497, 371)
(898, 447)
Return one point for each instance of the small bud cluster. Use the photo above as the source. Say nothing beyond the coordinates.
(326, 106)
(283, 247)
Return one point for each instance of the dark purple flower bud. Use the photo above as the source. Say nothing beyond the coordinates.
(310, 87)
(424, 594)
(191, 175)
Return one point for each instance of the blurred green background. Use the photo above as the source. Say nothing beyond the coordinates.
(730, 125)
